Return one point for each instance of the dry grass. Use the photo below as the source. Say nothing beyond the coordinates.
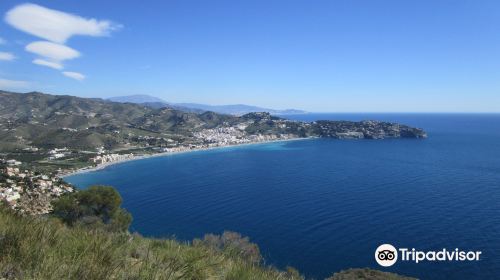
(44, 248)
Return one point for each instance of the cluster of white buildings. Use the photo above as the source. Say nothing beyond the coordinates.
(176, 149)
(10, 191)
(69, 129)
(222, 136)
(17, 183)
(58, 153)
(102, 159)
(12, 162)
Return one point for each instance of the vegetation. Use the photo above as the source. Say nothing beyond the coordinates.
(45, 248)
(367, 274)
(86, 237)
(95, 206)
(55, 121)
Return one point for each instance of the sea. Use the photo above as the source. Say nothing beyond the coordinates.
(324, 205)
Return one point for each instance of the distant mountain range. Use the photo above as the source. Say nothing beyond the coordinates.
(236, 109)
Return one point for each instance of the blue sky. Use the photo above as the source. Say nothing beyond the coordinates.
(320, 55)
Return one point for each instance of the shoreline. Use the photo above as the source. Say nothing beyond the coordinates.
(162, 154)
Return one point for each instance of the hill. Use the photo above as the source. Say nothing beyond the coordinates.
(239, 109)
(34, 247)
(236, 109)
(153, 102)
(137, 98)
(67, 132)
(49, 121)
(55, 121)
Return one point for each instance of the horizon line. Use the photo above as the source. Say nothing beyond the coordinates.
(305, 111)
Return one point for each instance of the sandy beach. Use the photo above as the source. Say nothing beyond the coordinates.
(162, 154)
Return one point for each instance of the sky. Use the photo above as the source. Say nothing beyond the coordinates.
(316, 55)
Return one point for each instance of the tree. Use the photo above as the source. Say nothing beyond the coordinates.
(95, 205)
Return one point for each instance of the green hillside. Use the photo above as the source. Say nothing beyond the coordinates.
(38, 247)
(49, 121)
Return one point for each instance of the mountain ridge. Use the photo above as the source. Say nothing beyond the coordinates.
(51, 120)
(231, 109)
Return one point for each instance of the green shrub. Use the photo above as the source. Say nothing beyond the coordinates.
(367, 274)
(35, 247)
(232, 244)
(46, 248)
(92, 207)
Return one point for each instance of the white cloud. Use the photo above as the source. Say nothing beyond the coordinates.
(74, 75)
(12, 84)
(54, 52)
(51, 64)
(55, 26)
(7, 56)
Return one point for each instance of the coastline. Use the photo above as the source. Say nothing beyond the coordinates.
(162, 154)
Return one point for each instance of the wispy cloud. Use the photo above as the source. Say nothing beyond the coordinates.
(12, 84)
(51, 64)
(51, 52)
(56, 26)
(2, 41)
(74, 75)
(7, 56)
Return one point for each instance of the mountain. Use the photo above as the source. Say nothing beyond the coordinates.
(237, 109)
(138, 98)
(158, 105)
(47, 121)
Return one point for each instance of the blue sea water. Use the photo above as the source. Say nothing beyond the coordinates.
(324, 205)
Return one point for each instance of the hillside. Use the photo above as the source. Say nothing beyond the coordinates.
(61, 132)
(239, 109)
(44, 120)
(234, 109)
(48, 121)
(44, 248)
(137, 98)
(152, 102)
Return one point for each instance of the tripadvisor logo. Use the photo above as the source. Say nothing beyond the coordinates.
(387, 255)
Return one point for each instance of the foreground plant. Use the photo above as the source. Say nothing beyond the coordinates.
(86, 238)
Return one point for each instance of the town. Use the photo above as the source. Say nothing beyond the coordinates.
(29, 192)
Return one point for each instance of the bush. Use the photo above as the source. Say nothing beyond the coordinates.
(33, 247)
(92, 207)
(233, 244)
(367, 273)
